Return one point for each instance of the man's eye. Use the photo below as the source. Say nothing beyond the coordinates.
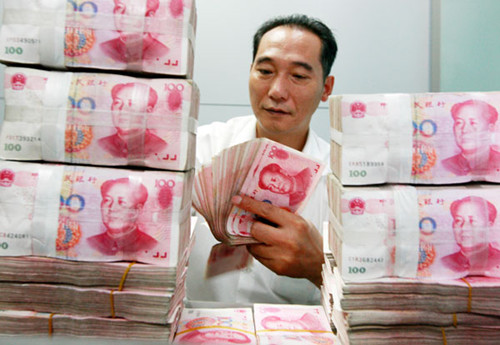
(264, 71)
(299, 76)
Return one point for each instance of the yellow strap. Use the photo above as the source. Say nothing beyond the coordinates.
(51, 328)
(455, 321)
(444, 336)
(469, 300)
(124, 276)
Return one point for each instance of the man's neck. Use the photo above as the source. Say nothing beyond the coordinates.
(296, 141)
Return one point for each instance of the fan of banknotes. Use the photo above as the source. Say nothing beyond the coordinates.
(260, 168)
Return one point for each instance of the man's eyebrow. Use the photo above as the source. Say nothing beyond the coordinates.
(265, 59)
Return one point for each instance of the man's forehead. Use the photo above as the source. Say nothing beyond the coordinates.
(291, 39)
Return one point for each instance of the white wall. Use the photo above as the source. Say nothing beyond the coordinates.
(384, 46)
(470, 45)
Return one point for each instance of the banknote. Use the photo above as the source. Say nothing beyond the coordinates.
(216, 326)
(98, 119)
(225, 258)
(292, 324)
(429, 138)
(152, 36)
(260, 168)
(93, 214)
(408, 231)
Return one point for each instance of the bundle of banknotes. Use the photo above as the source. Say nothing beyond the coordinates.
(152, 36)
(260, 168)
(264, 324)
(414, 231)
(94, 214)
(430, 138)
(98, 119)
(412, 311)
(31, 323)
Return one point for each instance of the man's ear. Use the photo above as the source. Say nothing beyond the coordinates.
(327, 87)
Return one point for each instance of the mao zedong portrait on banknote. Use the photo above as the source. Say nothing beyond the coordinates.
(121, 205)
(473, 127)
(473, 218)
(131, 104)
(215, 336)
(275, 179)
(135, 41)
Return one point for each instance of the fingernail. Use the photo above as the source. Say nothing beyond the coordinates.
(236, 199)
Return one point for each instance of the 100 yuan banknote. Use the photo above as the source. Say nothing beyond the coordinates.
(432, 138)
(154, 36)
(98, 119)
(216, 326)
(424, 232)
(292, 324)
(93, 214)
(280, 176)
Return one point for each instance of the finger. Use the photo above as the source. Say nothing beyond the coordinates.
(265, 233)
(265, 210)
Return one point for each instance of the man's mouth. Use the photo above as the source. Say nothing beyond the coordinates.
(277, 111)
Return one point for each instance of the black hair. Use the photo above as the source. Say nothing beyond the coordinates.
(328, 43)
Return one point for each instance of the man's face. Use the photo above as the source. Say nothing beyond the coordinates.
(471, 129)
(286, 81)
(128, 110)
(471, 225)
(118, 209)
(277, 182)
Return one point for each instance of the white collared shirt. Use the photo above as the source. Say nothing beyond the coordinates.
(256, 283)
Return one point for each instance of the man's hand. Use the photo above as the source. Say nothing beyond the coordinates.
(291, 246)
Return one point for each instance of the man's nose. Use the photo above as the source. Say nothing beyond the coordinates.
(278, 89)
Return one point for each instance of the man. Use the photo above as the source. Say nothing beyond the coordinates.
(132, 102)
(474, 124)
(135, 43)
(289, 76)
(121, 205)
(472, 219)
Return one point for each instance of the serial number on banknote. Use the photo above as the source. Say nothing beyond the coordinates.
(22, 138)
(13, 235)
(366, 164)
(23, 40)
(365, 259)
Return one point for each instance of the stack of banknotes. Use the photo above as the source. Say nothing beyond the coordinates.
(107, 242)
(264, 324)
(413, 311)
(413, 252)
(153, 36)
(98, 119)
(260, 168)
(96, 168)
